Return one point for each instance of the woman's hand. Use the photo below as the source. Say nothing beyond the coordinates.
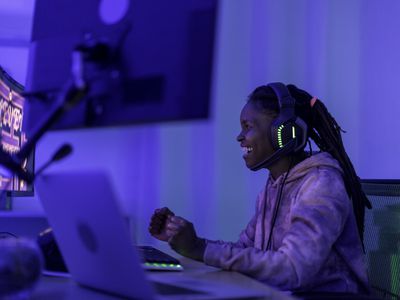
(183, 238)
(157, 227)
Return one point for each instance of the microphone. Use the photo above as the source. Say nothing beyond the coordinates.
(61, 153)
(290, 146)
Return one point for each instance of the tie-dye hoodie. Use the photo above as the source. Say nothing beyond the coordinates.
(315, 242)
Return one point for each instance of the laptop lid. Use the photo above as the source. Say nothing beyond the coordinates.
(92, 234)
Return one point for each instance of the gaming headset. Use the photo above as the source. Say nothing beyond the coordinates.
(288, 132)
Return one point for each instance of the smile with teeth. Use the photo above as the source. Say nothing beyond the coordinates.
(247, 150)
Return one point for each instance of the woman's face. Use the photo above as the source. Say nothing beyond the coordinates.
(254, 138)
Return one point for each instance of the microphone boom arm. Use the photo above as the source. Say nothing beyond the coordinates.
(73, 92)
(290, 146)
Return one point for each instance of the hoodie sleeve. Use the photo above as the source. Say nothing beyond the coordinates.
(317, 217)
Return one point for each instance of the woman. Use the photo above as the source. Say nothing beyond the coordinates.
(306, 234)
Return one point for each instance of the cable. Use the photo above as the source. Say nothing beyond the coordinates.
(310, 147)
(278, 202)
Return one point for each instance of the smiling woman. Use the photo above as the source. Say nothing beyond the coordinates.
(303, 236)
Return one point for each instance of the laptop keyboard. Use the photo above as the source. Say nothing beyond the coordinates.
(154, 259)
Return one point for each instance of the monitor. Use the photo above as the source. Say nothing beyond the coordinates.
(13, 135)
(153, 64)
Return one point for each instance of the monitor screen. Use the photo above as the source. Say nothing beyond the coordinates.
(154, 62)
(13, 135)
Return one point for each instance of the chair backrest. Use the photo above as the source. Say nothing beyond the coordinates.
(382, 236)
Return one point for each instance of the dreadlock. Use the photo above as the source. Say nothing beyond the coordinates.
(326, 133)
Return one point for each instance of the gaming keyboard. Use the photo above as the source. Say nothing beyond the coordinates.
(154, 259)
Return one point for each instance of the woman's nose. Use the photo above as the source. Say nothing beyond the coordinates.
(240, 137)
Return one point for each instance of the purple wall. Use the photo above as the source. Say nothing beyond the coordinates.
(344, 52)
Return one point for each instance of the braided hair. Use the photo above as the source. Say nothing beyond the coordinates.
(326, 133)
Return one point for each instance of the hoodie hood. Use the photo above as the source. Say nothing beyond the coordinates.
(320, 160)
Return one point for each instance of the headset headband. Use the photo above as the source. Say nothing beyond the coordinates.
(286, 101)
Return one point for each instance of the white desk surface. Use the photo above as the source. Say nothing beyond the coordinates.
(65, 288)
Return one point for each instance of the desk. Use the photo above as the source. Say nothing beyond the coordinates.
(65, 288)
(29, 225)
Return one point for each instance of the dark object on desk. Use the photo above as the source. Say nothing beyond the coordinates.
(53, 260)
(20, 267)
(153, 259)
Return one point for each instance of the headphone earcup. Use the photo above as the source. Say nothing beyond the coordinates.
(301, 134)
(282, 132)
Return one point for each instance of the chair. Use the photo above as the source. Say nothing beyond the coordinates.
(382, 236)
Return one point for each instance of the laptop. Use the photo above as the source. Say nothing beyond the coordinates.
(94, 240)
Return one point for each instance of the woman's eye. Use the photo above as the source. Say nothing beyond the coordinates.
(246, 126)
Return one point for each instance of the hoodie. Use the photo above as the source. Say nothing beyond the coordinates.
(315, 244)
